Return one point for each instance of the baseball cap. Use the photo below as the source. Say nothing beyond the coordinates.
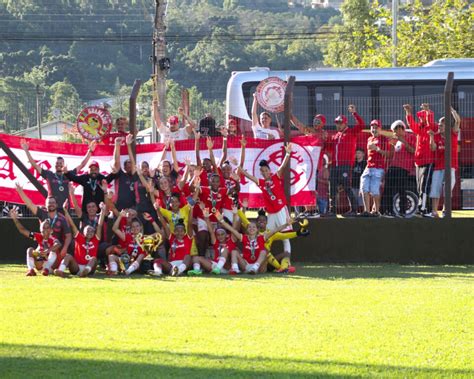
(173, 120)
(320, 117)
(341, 119)
(94, 163)
(376, 123)
(396, 124)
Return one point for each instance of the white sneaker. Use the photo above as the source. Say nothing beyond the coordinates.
(154, 273)
(175, 271)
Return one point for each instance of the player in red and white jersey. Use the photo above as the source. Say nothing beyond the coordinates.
(273, 194)
(223, 246)
(254, 253)
(44, 255)
(130, 249)
(179, 255)
(86, 247)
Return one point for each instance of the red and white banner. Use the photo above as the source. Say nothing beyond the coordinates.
(303, 163)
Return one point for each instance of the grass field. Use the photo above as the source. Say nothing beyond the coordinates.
(326, 321)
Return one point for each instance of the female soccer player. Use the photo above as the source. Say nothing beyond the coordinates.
(86, 246)
(179, 255)
(44, 255)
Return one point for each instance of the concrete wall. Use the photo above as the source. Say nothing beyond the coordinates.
(423, 241)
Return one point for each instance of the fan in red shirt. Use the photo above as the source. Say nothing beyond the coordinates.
(44, 255)
(254, 254)
(121, 124)
(342, 147)
(424, 156)
(437, 144)
(378, 149)
(273, 193)
(179, 254)
(86, 246)
(401, 170)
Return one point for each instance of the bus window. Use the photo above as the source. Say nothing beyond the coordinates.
(465, 97)
(431, 94)
(361, 97)
(300, 104)
(328, 102)
(391, 100)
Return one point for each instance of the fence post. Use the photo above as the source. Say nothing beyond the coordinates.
(132, 112)
(448, 91)
(286, 125)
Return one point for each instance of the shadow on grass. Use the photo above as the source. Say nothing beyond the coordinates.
(161, 363)
(312, 271)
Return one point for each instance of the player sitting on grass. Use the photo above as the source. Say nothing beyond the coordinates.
(45, 254)
(254, 253)
(86, 246)
(179, 256)
(130, 250)
(223, 247)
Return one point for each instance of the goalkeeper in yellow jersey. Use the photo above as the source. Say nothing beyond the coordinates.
(281, 262)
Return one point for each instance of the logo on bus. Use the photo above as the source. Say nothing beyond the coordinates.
(94, 123)
(301, 164)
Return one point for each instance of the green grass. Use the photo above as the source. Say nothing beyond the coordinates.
(324, 321)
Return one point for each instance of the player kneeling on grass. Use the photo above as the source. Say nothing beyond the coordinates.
(44, 255)
(179, 256)
(86, 246)
(223, 248)
(254, 253)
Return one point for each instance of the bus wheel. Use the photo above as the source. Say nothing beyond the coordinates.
(412, 204)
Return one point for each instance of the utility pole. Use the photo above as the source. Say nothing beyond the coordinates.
(161, 63)
(39, 92)
(394, 32)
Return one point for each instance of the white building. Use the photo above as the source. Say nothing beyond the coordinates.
(50, 131)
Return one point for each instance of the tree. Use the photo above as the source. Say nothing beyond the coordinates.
(65, 98)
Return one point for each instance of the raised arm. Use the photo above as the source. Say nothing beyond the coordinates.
(174, 156)
(285, 161)
(86, 158)
(189, 227)
(212, 232)
(26, 148)
(240, 170)
(270, 233)
(360, 124)
(69, 219)
(19, 226)
(254, 110)
(191, 126)
(32, 207)
(225, 225)
(118, 141)
(103, 212)
(411, 123)
(224, 148)
(299, 125)
(210, 147)
(457, 121)
(156, 227)
(129, 140)
(116, 226)
(243, 143)
(77, 208)
(155, 112)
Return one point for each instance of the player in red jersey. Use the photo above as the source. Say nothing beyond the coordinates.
(179, 256)
(254, 253)
(223, 247)
(273, 193)
(86, 246)
(130, 249)
(44, 255)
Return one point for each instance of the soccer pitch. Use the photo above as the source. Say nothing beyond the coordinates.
(323, 321)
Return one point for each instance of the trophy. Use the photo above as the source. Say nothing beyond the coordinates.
(149, 243)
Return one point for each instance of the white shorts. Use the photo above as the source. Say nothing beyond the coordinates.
(81, 269)
(202, 225)
(176, 263)
(223, 270)
(438, 181)
(278, 219)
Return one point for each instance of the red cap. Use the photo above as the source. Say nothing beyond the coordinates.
(320, 117)
(94, 163)
(426, 117)
(173, 120)
(341, 119)
(377, 123)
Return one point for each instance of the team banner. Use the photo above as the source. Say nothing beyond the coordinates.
(303, 163)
